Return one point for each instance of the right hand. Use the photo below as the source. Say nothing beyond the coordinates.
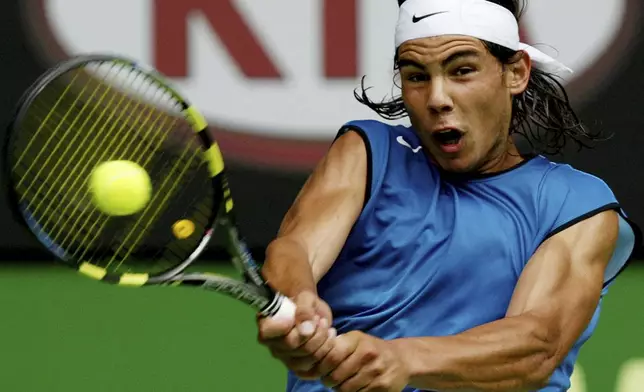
(300, 343)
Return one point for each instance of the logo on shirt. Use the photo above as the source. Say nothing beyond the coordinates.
(401, 140)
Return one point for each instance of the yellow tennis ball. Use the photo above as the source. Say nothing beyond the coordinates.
(120, 187)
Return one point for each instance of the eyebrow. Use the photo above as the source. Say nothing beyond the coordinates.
(410, 63)
(454, 57)
(460, 55)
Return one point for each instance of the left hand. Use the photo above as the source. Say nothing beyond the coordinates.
(360, 362)
(302, 342)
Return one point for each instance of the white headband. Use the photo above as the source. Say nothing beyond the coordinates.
(475, 18)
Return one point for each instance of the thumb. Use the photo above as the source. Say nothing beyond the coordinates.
(306, 317)
(324, 311)
(270, 328)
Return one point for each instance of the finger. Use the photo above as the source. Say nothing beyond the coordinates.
(294, 344)
(323, 309)
(306, 315)
(380, 378)
(271, 329)
(349, 368)
(378, 384)
(305, 306)
(285, 345)
(305, 366)
(324, 336)
(358, 382)
(342, 348)
(313, 344)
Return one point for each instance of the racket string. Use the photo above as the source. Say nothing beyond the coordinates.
(86, 234)
(35, 136)
(94, 232)
(166, 196)
(73, 144)
(103, 225)
(121, 136)
(45, 196)
(52, 170)
(50, 153)
(75, 220)
(132, 228)
(104, 222)
(65, 212)
(198, 209)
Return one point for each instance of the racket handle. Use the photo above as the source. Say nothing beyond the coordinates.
(286, 309)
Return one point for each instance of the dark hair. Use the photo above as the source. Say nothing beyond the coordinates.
(542, 114)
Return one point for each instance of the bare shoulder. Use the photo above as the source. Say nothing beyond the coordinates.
(589, 242)
(349, 148)
(595, 232)
(337, 182)
(570, 264)
(344, 166)
(328, 205)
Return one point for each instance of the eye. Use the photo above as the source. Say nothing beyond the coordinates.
(463, 71)
(417, 77)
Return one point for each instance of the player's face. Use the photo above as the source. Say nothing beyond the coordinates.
(459, 99)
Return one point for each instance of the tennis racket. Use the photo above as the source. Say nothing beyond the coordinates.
(98, 108)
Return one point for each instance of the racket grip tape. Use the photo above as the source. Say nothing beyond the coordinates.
(286, 310)
(282, 308)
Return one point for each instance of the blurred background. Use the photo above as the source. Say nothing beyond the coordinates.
(276, 80)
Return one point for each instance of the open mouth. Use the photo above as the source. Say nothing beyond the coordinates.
(448, 137)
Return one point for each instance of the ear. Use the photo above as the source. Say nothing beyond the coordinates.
(400, 2)
(517, 74)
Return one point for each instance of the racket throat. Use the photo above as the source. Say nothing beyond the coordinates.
(241, 258)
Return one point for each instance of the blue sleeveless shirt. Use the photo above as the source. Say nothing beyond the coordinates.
(433, 255)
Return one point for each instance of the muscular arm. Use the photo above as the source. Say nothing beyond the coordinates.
(317, 225)
(553, 303)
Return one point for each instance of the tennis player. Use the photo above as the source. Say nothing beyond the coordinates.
(440, 256)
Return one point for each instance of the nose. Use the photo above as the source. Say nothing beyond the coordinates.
(438, 97)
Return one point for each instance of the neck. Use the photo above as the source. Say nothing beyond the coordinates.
(505, 157)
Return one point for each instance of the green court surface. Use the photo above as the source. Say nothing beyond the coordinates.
(63, 332)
